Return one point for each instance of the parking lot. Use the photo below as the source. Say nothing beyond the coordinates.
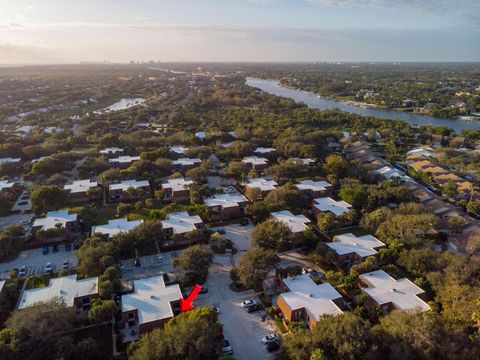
(149, 266)
(240, 235)
(35, 261)
(244, 331)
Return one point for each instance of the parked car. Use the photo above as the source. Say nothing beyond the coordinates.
(55, 248)
(136, 262)
(45, 250)
(65, 265)
(221, 231)
(244, 222)
(248, 302)
(68, 247)
(173, 255)
(49, 267)
(203, 290)
(25, 222)
(23, 271)
(270, 337)
(217, 309)
(273, 346)
(160, 259)
(226, 348)
(253, 308)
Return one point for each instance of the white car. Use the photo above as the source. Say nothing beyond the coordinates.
(227, 348)
(270, 337)
(65, 265)
(249, 302)
(48, 267)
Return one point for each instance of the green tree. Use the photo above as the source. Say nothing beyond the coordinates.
(102, 310)
(272, 234)
(254, 265)
(48, 198)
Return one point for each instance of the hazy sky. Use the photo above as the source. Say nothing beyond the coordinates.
(60, 31)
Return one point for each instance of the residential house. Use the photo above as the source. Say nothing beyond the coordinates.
(123, 162)
(306, 301)
(312, 189)
(151, 304)
(55, 226)
(391, 294)
(129, 190)
(257, 163)
(76, 293)
(389, 172)
(302, 161)
(178, 149)
(426, 152)
(184, 164)
(6, 185)
(115, 227)
(227, 206)
(296, 223)
(176, 189)
(264, 151)
(79, 190)
(184, 228)
(111, 150)
(353, 249)
(9, 160)
(258, 188)
(327, 204)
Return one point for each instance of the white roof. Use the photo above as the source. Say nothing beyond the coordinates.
(401, 293)
(124, 185)
(5, 184)
(115, 227)
(68, 288)
(178, 149)
(80, 186)
(2, 283)
(179, 184)
(51, 129)
(313, 185)
(25, 128)
(349, 243)
(181, 222)
(303, 161)
(421, 151)
(226, 200)
(296, 223)
(41, 158)
(111, 150)
(53, 218)
(254, 160)
(264, 150)
(186, 161)
(389, 172)
(316, 299)
(328, 204)
(9, 160)
(124, 159)
(201, 135)
(151, 299)
(261, 183)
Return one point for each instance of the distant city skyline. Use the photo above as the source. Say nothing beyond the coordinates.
(53, 31)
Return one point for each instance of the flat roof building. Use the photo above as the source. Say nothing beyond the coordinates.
(80, 186)
(115, 227)
(181, 222)
(53, 219)
(325, 204)
(296, 223)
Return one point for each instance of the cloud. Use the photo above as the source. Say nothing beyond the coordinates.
(428, 5)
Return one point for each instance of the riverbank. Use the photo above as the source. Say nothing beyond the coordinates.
(312, 100)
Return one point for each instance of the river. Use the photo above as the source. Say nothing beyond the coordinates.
(316, 102)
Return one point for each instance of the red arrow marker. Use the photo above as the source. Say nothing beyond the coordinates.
(186, 304)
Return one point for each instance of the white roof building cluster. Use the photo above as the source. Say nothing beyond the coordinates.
(363, 246)
(402, 294)
(255, 161)
(55, 218)
(152, 299)
(296, 223)
(317, 300)
(126, 184)
(315, 186)
(124, 159)
(261, 183)
(226, 200)
(338, 208)
(181, 222)
(115, 227)
(67, 288)
(178, 149)
(80, 186)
